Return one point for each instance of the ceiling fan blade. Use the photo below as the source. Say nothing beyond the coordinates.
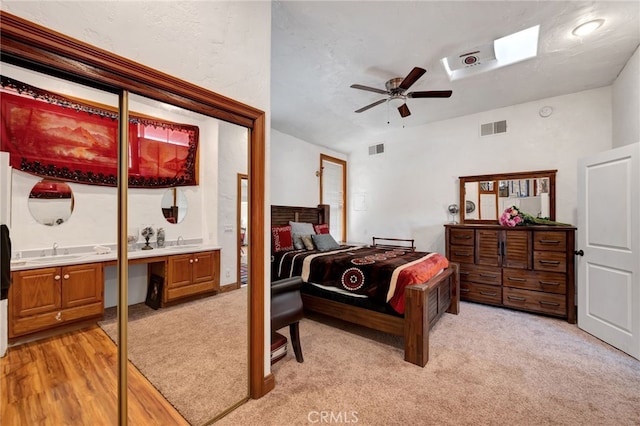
(412, 77)
(404, 110)
(430, 94)
(371, 105)
(370, 89)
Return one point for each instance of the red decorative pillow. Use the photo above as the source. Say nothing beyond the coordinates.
(323, 228)
(281, 238)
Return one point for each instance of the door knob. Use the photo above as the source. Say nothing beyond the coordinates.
(579, 253)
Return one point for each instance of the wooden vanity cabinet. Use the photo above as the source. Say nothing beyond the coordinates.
(191, 274)
(530, 268)
(45, 298)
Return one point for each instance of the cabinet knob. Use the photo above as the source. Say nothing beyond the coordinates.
(66, 276)
(579, 253)
(190, 260)
(59, 316)
(56, 277)
(196, 260)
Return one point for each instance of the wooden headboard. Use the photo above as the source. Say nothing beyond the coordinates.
(281, 215)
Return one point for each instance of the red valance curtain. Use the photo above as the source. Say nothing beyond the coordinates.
(47, 134)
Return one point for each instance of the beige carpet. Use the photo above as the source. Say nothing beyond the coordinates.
(488, 366)
(194, 353)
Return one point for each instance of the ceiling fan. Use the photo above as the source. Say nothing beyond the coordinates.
(396, 88)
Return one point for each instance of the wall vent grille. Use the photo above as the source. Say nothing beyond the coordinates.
(493, 128)
(376, 149)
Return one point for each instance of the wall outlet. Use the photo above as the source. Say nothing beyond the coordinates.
(228, 273)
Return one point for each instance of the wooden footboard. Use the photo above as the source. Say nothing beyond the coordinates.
(424, 305)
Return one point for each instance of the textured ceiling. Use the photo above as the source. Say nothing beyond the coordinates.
(320, 48)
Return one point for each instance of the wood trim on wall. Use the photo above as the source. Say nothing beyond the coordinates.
(34, 46)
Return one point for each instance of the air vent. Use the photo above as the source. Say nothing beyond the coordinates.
(493, 128)
(376, 149)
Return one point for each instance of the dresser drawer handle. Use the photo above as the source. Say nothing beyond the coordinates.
(549, 262)
(486, 293)
(462, 254)
(488, 275)
(465, 290)
(556, 283)
(519, 299)
(521, 280)
(549, 242)
(462, 237)
(464, 273)
(549, 303)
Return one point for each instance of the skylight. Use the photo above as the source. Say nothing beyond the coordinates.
(504, 51)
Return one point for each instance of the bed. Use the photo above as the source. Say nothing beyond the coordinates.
(421, 303)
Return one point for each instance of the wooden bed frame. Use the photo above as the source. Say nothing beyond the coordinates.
(424, 303)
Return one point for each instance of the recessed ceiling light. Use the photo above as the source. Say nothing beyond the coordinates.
(587, 27)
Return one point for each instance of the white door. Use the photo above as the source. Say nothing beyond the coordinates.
(609, 235)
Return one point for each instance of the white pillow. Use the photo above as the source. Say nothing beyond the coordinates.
(302, 228)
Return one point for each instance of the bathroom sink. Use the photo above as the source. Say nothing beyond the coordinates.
(185, 247)
(51, 259)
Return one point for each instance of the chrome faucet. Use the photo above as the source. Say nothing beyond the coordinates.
(54, 252)
(180, 239)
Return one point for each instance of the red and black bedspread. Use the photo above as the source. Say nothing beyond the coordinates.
(379, 274)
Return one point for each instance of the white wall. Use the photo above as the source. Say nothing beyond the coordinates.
(409, 187)
(219, 45)
(293, 174)
(626, 103)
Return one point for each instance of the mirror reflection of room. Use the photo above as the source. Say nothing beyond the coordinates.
(51, 202)
(487, 196)
(193, 273)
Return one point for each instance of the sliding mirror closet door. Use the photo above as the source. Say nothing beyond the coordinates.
(194, 347)
(52, 133)
(25, 44)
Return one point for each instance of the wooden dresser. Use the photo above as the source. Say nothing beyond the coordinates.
(530, 268)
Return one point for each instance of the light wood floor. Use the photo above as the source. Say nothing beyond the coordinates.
(71, 379)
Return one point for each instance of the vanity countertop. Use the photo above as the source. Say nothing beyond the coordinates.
(27, 263)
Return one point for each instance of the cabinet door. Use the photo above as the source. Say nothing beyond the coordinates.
(35, 292)
(81, 285)
(179, 271)
(517, 249)
(203, 267)
(488, 247)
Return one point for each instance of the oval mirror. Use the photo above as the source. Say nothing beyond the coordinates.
(51, 202)
(174, 205)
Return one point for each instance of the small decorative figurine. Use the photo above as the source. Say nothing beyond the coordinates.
(147, 233)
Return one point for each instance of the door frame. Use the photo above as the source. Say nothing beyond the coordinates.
(343, 163)
(33, 46)
(241, 177)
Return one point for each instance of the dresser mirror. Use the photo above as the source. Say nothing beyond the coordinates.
(174, 205)
(487, 196)
(51, 202)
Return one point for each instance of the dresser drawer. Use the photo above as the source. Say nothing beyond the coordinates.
(554, 261)
(550, 241)
(461, 254)
(537, 301)
(550, 282)
(481, 293)
(462, 237)
(481, 274)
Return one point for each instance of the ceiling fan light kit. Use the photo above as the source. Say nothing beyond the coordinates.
(396, 88)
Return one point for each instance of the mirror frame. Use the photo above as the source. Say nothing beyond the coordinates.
(33, 46)
(551, 174)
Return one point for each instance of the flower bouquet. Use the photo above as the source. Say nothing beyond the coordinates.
(512, 217)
